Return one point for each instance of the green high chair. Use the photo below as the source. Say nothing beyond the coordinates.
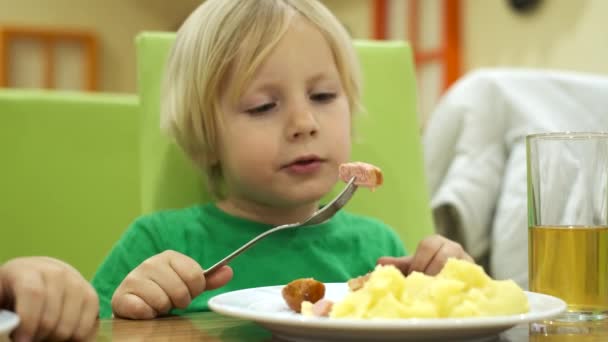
(386, 135)
(69, 181)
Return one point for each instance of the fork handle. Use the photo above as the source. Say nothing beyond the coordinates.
(245, 247)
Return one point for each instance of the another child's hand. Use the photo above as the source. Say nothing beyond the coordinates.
(431, 254)
(52, 299)
(165, 281)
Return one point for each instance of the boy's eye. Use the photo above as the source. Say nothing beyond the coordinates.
(323, 97)
(261, 109)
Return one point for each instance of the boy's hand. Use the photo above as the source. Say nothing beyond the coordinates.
(52, 299)
(162, 282)
(431, 254)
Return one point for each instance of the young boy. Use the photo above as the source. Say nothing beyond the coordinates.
(52, 300)
(260, 94)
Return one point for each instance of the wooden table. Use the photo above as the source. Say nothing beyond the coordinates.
(209, 326)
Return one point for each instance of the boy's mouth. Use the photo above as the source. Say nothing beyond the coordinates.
(304, 164)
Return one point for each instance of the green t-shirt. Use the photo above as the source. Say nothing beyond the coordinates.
(335, 251)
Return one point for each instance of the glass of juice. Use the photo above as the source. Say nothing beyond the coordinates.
(568, 221)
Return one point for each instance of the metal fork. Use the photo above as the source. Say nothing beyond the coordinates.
(318, 217)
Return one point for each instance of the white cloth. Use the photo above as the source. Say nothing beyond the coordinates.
(475, 155)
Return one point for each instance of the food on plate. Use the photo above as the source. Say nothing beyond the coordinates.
(357, 283)
(322, 308)
(300, 290)
(365, 174)
(461, 289)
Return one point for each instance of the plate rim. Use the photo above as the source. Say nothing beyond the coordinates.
(404, 324)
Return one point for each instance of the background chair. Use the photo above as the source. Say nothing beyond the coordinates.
(386, 135)
(475, 154)
(69, 181)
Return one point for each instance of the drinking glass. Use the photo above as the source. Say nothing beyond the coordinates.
(568, 221)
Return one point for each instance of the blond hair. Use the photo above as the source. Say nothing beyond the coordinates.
(233, 37)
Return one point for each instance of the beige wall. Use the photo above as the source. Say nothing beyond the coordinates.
(354, 14)
(566, 34)
(115, 21)
(562, 34)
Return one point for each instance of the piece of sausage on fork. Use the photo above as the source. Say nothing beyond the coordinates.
(366, 175)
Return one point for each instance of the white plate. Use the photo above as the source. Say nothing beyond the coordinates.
(265, 306)
(8, 322)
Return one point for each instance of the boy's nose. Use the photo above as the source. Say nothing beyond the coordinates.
(303, 124)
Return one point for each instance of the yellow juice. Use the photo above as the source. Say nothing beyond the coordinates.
(570, 262)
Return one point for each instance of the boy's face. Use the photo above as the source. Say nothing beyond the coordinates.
(282, 142)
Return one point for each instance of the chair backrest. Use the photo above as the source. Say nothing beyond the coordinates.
(386, 135)
(69, 177)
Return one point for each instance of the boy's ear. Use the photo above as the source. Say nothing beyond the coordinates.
(213, 162)
(212, 159)
(205, 161)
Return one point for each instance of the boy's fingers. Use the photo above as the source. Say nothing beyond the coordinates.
(173, 286)
(53, 306)
(449, 250)
(129, 305)
(70, 313)
(155, 296)
(88, 317)
(434, 252)
(190, 273)
(440, 258)
(425, 253)
(402, 263)
(219, 278)
(29, 293)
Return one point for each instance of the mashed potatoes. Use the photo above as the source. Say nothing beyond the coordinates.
(461, 289)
